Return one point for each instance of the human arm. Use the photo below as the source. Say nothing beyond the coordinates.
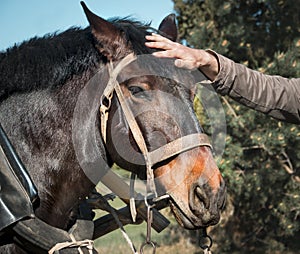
(276, 96)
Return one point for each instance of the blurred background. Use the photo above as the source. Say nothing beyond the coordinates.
(261, 162)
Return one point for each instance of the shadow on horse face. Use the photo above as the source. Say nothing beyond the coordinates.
(164, 112)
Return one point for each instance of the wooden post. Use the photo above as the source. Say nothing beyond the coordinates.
(118, 186)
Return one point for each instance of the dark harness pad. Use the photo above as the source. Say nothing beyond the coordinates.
(15, 203)
(15, 197)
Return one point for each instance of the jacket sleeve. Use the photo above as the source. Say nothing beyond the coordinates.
(276, 96)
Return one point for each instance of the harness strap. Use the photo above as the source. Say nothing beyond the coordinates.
(138, 137)
(113, 85)
(114, 72)
(178, 146)
(109, 89)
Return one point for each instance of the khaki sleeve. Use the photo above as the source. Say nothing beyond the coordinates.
(276, 96)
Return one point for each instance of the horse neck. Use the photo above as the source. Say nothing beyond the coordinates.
(38, 121)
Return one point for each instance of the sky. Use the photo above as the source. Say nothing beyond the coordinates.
(23, 19)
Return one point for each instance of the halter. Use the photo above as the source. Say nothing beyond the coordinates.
(168, 150)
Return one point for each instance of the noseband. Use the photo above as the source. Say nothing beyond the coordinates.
(167, 151)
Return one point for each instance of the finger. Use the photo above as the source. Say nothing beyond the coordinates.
(157, 38)
(159, 45)
(167, 54)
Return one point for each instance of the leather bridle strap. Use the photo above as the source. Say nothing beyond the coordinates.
(138, 137)
(113, 85)
(178, 146)
(109, 89)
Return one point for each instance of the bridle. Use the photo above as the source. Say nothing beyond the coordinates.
(167, 151)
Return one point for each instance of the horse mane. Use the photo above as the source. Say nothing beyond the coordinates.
(50, 61)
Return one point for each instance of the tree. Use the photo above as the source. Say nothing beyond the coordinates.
(247, 31)
(261, 162)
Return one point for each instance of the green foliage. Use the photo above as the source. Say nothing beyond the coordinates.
(247, 31)
(261, 162)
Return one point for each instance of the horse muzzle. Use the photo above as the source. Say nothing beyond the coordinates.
(203, 209)
(196, 188)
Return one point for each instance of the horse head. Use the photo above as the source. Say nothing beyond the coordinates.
(162, 107)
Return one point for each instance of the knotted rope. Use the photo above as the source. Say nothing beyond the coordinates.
(89, 244)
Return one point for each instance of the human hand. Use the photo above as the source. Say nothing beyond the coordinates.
(185, 57)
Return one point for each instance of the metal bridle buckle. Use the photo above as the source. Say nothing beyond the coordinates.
(105, 103)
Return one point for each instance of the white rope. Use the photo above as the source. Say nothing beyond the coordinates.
(125, 235)
(207, 251)
(89, 244)
(120, 225)
(132, 198)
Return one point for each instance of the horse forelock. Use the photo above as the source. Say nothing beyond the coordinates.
(134, 33)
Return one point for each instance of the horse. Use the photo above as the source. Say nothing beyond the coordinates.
(41, 83)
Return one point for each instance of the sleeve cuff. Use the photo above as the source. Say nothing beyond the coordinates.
(225, 78)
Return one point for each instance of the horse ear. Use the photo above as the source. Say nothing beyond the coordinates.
(109, 39)
(168, 27)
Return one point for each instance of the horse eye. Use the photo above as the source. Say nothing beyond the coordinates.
(137, 91)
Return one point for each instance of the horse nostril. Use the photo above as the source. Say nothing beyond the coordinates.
(201, 195)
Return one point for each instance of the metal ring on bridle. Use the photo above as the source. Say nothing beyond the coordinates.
(152, 244)
(206, 245)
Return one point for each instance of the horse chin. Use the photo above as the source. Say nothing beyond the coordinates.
(181, 218)
(191, 221)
